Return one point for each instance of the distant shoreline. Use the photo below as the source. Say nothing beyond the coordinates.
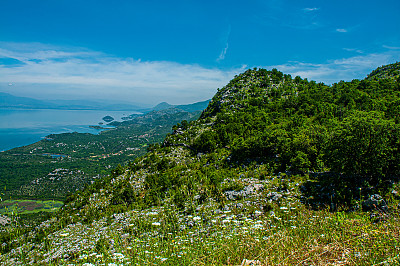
(71, 109)
(22, 126)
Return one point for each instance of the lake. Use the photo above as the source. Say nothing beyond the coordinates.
(20, 127)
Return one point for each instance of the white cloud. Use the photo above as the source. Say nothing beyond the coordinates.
(356, 67)
(38, 51)
(223, 53)
(341, 30)
(391, 47)
(310, 9)
(225, 40)
(59, 72)
(353, 50)
(50, 72)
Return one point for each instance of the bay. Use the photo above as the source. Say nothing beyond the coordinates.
(20, 127)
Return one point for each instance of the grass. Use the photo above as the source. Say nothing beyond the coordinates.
(211, 232)
(29, 206)
(288, 237)
(311, 240)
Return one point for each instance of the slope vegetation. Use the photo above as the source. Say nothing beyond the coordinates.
(277, 170)
(63, 163)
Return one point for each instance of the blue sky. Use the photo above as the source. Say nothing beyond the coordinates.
(182, 51)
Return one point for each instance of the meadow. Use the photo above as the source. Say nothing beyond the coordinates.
(29, 206)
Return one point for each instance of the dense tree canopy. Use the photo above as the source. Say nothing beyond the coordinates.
(349, 128)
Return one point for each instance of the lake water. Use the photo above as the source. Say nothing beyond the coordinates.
(20, 127)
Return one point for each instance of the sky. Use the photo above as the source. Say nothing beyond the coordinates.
(181, 51)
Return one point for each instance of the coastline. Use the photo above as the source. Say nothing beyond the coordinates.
(21, 127)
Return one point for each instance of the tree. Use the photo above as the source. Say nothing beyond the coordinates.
(365, 145)
(206, 142)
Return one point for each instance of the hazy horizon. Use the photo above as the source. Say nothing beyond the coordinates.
(100, 100)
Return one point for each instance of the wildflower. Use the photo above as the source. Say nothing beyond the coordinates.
(119, 255)
(258, 226)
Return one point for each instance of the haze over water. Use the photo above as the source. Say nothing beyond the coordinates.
(20, 127)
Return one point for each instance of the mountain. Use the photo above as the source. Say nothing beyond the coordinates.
(198, 106)
(11, 101)
(387, 71)
(94, 105)
(193, 107)
(276, 170)
(161, 106)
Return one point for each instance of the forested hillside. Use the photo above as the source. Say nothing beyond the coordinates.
(63, 163)
(276, 171)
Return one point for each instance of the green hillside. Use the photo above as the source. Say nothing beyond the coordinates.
(276, 171)
(388, 71)
(63, 163)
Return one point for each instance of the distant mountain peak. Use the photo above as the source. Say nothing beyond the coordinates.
(197, 106)
(162, 105)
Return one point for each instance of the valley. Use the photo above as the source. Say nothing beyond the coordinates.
(275, 171)
(63, 163)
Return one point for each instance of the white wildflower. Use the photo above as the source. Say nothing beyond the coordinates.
(196, 218)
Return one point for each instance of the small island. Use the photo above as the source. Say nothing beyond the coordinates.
(108, 118)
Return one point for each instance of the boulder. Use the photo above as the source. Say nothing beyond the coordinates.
(233, 195)
(274, 196)
(375, 202)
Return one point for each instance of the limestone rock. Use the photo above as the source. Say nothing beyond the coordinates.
(375, 202)
(250, 262)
